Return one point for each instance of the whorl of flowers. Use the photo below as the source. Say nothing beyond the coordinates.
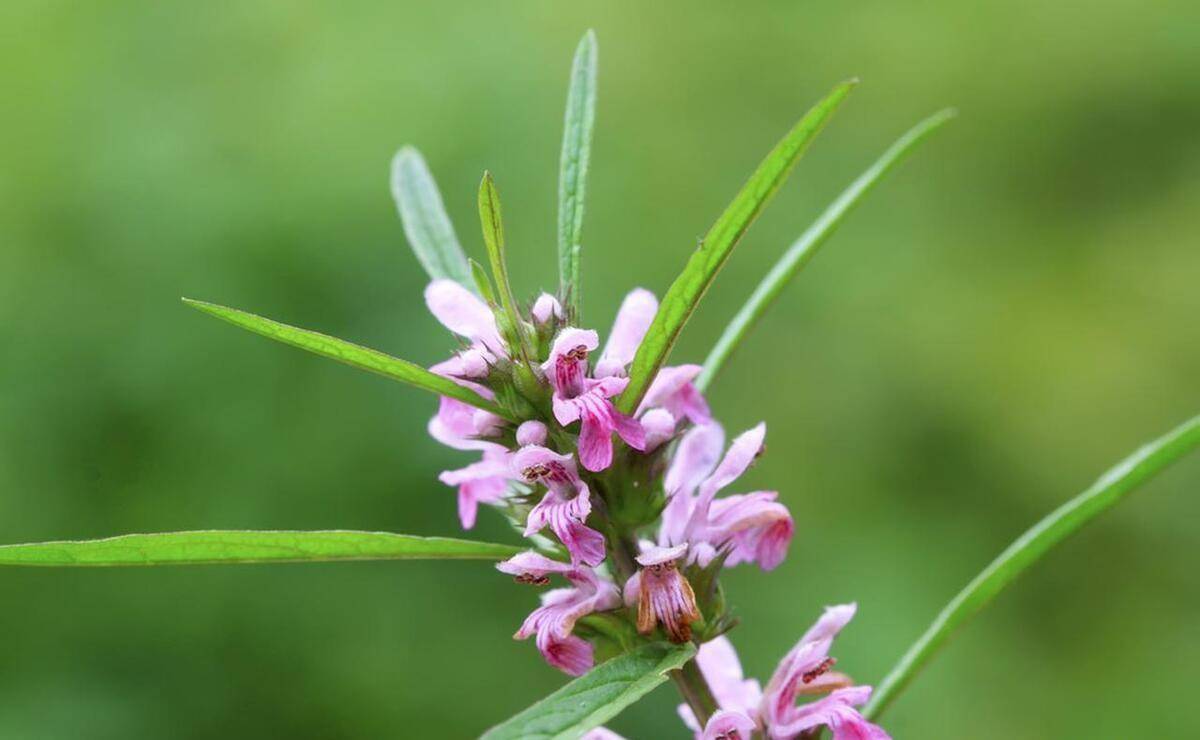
(628, 511)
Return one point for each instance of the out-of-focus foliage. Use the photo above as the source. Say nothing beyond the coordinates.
(1009, 312)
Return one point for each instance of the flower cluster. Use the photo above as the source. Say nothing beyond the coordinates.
(625, 508)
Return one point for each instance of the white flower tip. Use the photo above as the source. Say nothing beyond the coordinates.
(659, 555)
(546, 307)
(531, 433)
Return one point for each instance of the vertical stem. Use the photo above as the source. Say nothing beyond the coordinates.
(694, 690)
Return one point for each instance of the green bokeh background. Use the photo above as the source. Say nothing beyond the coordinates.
(1011, 312)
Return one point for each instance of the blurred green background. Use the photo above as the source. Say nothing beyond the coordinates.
(1011, 312)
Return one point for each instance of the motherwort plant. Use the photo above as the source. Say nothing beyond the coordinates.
(612, 467)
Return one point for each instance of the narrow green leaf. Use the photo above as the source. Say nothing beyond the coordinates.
(241, 546)
(484, 283)
(596, 697)
(572, 169)
(350, 354)
(423, 215)
(1109, 489)
(687, 290)
(493, 237)
(803, 249)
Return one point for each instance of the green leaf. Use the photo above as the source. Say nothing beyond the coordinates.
(687, 290)
(1111, 488)
(424, 218)
(240, 546)
(596, 697)
(350, 354)
(493, 237)
(803, 249)
(572, 169)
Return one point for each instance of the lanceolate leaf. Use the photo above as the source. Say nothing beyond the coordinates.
(687, 290)
(493, 237)
(354, 355)
(238, 546)
(1031, 546)
(803, 249)
(573, 166)
(423, 215)
(596, 697)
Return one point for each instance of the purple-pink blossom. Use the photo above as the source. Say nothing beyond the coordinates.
(553, 622)
(753, 527)
(805, 671)
(663, 595)
(578, 397)
(566, 504)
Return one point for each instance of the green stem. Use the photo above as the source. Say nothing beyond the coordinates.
(695, 691)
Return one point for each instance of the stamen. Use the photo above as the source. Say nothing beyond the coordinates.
(529, 579)
(824, 667)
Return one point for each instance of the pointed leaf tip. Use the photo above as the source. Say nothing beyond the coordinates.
(248, 546)
(804, 248)
(423, 216)
(574, 160)
(348, 353)
(1108, 490)
(702, 267)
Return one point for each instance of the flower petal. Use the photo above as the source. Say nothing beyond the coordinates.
(695, 458)
(463, 313)
(633, 319)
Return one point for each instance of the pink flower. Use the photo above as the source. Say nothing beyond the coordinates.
(554, 620)
(663, 595)
(727, 725)
(673, 390)
(805, 670)
(463, 313)
(566, 505)
(598, 420)
(566, 367)
(629, 328)
(461, 426)
(580, 398)
(753, 527)
(659, 426)
(735, 694)
(483, 482)
(545, 308)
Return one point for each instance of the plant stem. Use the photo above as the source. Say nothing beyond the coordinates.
(695, 691)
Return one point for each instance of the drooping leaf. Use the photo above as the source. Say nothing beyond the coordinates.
(687, 290)
(242, 546)
(803, 249)
(354, 355)
(1105, 493)
(573, 166)
(596, 697)
(423, 215)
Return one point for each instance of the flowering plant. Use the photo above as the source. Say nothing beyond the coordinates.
(612, 467)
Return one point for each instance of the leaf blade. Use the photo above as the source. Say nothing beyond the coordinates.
(806, 246)
(1109, 489)
(348, 353)
(247, 546)
(492, 222)
(702, 267)
(578, 123)
(597, 696)
(423, 216)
